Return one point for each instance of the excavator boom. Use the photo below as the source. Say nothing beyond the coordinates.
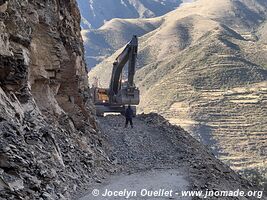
(129, 55)
(120, 94)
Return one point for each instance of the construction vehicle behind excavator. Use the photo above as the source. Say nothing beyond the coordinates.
(120, 92)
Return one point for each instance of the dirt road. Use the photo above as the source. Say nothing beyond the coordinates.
(149, 158)
(153, 185)
(156, 155)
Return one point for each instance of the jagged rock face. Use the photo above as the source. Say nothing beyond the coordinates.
(48, 138)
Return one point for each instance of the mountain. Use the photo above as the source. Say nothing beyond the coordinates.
(103, 42)
(96, 12)
(102, 19)
(204, 68)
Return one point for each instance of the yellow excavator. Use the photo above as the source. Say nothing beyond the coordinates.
(120, 92)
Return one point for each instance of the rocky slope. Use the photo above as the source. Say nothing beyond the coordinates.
(49, 145)
(155, 154)
(209, 75)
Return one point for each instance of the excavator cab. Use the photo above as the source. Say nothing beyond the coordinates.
(119, 94)
(101, 96)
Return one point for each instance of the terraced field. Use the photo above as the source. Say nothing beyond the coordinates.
(231, 122)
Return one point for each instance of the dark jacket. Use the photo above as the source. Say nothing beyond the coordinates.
(129, 113)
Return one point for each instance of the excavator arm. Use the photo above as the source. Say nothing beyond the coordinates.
(128, 94)
(129, 55)
(114, 98)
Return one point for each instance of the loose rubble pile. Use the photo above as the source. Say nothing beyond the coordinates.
(49, 143)
(39, 160)
(154, 143)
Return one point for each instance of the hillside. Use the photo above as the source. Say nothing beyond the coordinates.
(102, 20)
(103, 42)
(209, 76)
(96, 12)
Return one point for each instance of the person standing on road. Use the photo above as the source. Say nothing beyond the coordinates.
(129, 116)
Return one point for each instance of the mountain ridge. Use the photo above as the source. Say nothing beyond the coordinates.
(98, 40)
(96, 13)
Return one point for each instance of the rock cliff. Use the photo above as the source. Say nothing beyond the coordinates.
(49, 147)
